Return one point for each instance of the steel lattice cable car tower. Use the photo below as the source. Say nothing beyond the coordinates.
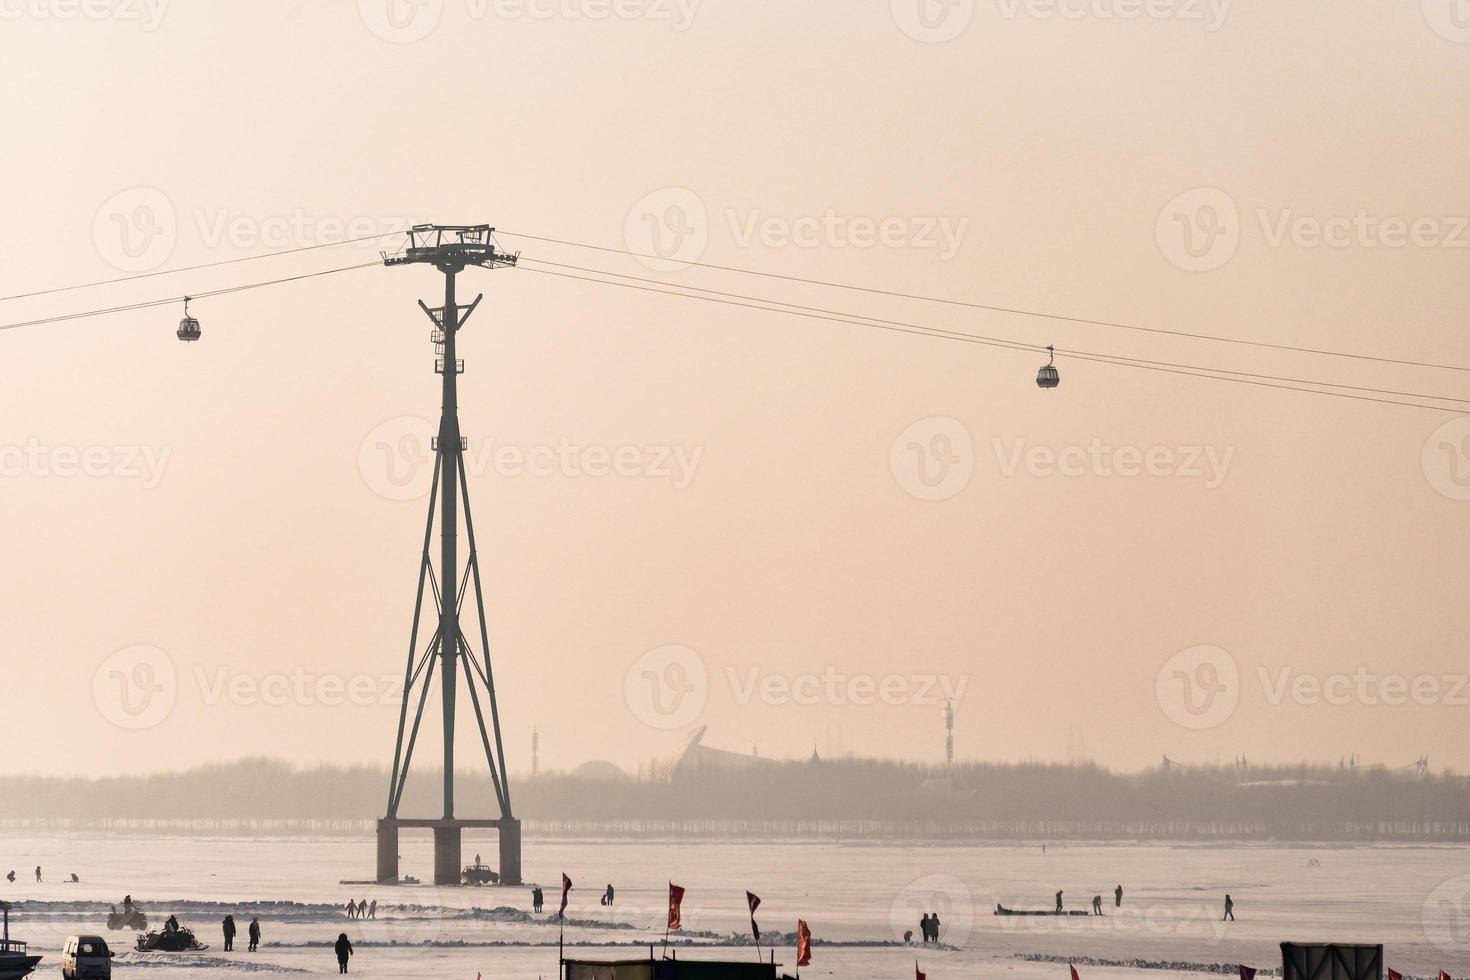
(450, 249)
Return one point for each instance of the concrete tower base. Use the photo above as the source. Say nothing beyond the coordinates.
(446, 853)
(448, 859)
(510, 852)
(387, 850)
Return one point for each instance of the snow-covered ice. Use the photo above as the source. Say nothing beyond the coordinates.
(858, 898)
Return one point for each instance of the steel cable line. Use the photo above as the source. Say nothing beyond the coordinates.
(776, 306)
(1064, 318)
(224, 291)
(971, 338)
(1013, 343)
(195, 268)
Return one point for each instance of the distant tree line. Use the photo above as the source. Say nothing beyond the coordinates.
(857, 795)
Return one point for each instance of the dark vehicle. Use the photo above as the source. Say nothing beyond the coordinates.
(169, 941)
(479, 874)
(133, 919)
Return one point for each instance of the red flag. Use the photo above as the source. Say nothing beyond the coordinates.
(1074, 972)
(804, 944)
(566, 886)
(1395, 975)
(754, 903)
(1444, 976)
(676, 898)
(917, 974)
(1247, 972)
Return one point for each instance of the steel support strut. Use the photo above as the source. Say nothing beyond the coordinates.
(449, 532)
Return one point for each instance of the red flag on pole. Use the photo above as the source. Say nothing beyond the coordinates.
(917, 974)
(1395, 975)
(1247, 972)
(754, 903)
(676, 898)
(1074, 972)
(803, 943)
(566, 886)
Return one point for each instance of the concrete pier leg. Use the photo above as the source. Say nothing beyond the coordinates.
(447, 863)
(387, 849)
(510, 852)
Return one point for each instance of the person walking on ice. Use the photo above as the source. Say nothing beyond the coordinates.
(1059, 901)
(1118, 897)
(344, 950)
(1229, 909)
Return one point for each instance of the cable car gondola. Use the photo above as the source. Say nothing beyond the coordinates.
(188, 326)
(1047, 377)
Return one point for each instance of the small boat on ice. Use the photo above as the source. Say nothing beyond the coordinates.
(1002, 910)
(15, 961)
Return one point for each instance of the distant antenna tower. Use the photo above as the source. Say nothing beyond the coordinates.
(949, 733)
(535, 751)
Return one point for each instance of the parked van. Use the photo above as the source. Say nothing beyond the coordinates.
(86, 957)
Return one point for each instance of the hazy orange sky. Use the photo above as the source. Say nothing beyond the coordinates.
(206, 545)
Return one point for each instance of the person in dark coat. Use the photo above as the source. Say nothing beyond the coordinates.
(1059, 901)
(254, 934)
(344, 950)
(1118, 897)
(229, 927)
(1229, 909)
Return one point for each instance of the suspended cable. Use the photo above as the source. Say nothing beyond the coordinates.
(971, 338)
(836, 316)
(146, 304)
(1017, 311)
(1012, 343)
(195, 268)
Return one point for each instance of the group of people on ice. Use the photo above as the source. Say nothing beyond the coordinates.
(363, 909)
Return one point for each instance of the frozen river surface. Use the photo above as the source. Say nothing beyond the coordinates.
(858, 898)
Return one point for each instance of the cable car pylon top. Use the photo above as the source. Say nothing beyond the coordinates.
(451, 247)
